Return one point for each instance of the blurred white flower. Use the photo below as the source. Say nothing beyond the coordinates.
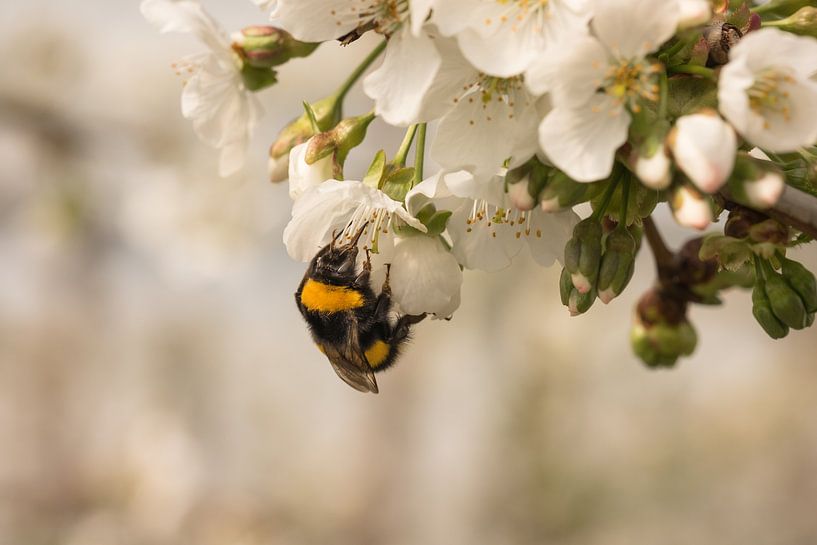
(425, 277)
(335, 207)
(694, 13)
(767, 90)
(223, 111)
(322, 20)
(486, 233)
(765, 191)
(690, 208)
(303, 176)
(265, 4)
(595, 80)
(654, 172)
(502, 38)
(704, 148)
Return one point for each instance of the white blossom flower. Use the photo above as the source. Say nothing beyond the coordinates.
(767, 91)
(654, 172)
(691, 209)
(303, 176)
(704, 148)
(694, 13)
(266, 5)
(596, 81)
(425, 277)
(486, 233)
(343, 207)
(503, 37)
(223, 111)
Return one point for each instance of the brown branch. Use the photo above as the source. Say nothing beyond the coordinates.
(795, 208)
(664, 258)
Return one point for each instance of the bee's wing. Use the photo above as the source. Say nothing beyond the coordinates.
(350, 364)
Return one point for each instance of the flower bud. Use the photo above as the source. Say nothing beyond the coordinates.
(583, 254)
(661, 333)
(704, 148)
(654, 171)
(756, 183)
(740, 220)
(802, 281)
(781, 8)
(617, 264)
(525, 182)
(340, 140)
(804, 22)
(266, 46)
(762, 311)
(278, 169)
(579, 303)
(561, 192)
(769, 231)
(785, 302)
(691, 208)
(300, 130)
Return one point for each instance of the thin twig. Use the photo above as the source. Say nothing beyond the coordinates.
(664, 258)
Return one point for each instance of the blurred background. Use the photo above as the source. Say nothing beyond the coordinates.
(157, 385)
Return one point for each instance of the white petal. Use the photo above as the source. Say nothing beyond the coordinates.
(399, 85)
(186, 16)
(654, 172)
(694, 13)
(583, 142)
(632, 28)
(303, 176)
(704, 148)
(435, 189)
(548, 234)
(317, 20)
(483, 244)
(573, 74)
(480, 135)
(425, 277)
(453, 75)
(769, 47)
(419, 10)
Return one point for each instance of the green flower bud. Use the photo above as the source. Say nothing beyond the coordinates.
(617, 264)
(327, 115)
(266, 46)
(583, 254)
(562, 192)
(780, 8)
(802, 281)
(340, 140)
(565, 286)
(256, 78)
(525, 183)
(660, 345)
(762, 311)
(785, 302)
(579, 303)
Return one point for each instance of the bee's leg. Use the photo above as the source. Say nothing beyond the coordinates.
(386, 286)
(367, 265)
(401, 329)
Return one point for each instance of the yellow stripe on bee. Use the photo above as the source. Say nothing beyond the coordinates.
(377, 353)
(320, 297)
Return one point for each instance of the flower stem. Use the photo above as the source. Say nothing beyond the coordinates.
(664, 96)
(605, 200)
(402, 153)
(625, 200)
(693, 69)
(419, 154)
(354, 76)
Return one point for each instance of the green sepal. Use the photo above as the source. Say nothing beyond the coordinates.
(688, 95)
(731, 253)
(785, 302)
(398, 183)
(256, 79)
(374, 175)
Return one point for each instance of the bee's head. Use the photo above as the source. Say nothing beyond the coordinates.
(338, 261)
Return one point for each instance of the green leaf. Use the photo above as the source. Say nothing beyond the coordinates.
(436, 225)
(689, 94)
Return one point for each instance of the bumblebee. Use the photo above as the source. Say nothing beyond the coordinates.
(351, 325)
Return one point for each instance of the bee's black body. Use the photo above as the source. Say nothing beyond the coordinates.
(349, 323)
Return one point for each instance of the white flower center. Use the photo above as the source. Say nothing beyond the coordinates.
(378, 220)
(768, 94)
(485, 216)
(631, 81)
(518, 12)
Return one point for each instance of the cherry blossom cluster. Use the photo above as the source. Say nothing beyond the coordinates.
(531, 108)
